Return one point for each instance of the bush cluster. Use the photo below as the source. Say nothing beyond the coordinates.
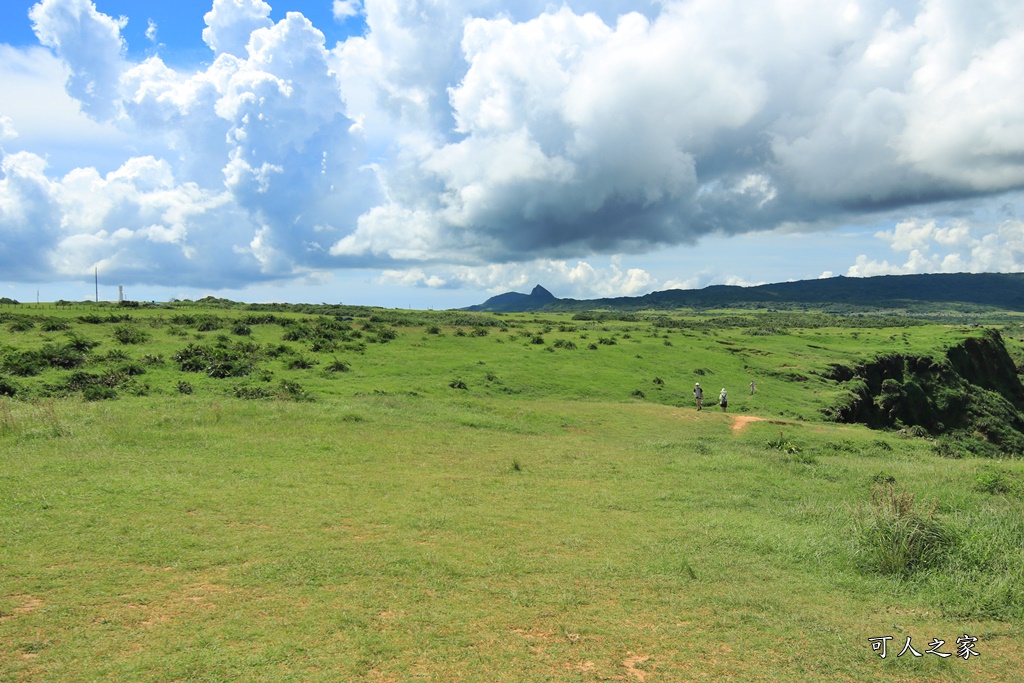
(215, 361)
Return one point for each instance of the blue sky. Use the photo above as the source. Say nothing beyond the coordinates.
(411, 154)
(178, 25)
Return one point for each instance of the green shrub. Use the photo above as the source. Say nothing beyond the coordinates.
(129, 334)
(62, 356)
(252, 393)
(26, 364)
(81, 344)
(296, 332)
(208, 323)
(322, 345)
(384, 336)
(337, 365)
(287, 391)
(216, 362)
(781, 444)
(79, 381)
(293, 391)
(132, 369)
(54, 325)
(301, 363)
(98, 393)
(994, 481)
(7, 387)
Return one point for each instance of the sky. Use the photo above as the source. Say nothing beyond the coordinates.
(432, 153)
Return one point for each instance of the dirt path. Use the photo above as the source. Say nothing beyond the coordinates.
(741, 421)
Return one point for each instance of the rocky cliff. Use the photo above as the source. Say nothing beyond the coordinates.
(973, 393)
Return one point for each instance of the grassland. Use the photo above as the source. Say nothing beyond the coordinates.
(318, 498)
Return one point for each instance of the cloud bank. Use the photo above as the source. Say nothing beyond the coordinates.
(463, 143)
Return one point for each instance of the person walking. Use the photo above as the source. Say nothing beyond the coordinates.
(698, 396)
(723, 399)
(751, 387)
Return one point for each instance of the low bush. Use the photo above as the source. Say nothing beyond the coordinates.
(286, 391)
(81, 344)
(62, 356)
(337, 365)
(301, 363)
(26, 364)
(215, 362)
(208, 323)
(54, 325)
(98, 393)
(8, 387)
(129, 334)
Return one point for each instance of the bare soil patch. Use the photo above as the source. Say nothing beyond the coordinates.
(741, 421)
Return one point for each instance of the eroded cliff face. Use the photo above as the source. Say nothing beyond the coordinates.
(972, 393)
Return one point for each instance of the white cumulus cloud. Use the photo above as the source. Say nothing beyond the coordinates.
(453, 135)
(927, 246)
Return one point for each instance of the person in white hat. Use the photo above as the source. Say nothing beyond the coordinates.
(698, 395)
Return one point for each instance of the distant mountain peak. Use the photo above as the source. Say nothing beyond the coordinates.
(541, 293)
(510, 302)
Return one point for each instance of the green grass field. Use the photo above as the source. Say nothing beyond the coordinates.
(336, 507)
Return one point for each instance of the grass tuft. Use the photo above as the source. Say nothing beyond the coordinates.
(897, 536)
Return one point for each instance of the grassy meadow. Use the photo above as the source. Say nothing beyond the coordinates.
(207, 493)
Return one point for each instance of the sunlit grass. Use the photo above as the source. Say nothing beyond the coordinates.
(538, 522)
(278, 541)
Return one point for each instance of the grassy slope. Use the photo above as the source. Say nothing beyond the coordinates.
(541, 525)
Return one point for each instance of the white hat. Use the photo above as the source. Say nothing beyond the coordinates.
(697, 384)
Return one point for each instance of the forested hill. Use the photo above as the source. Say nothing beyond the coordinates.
(997, 290)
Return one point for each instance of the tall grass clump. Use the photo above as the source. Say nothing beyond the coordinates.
(897, 536)
(8, 425)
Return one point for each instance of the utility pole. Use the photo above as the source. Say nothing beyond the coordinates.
(96, 272)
